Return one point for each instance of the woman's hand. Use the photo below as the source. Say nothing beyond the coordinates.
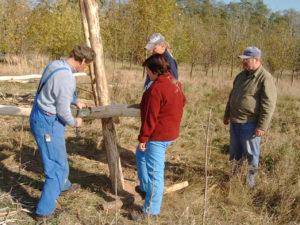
(142, 146)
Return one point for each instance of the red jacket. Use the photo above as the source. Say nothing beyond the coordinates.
(161, 110)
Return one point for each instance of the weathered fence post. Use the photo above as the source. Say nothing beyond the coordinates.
(109, 133)
(87, 41)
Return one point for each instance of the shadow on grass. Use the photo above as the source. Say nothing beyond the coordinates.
(87, 147)
(177, 172)
(13, 182)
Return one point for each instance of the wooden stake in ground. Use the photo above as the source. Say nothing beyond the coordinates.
(109, 133)
(206, 168)
(21, 145)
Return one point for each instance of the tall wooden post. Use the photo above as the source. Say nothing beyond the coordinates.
(87, 41)
(109, 132)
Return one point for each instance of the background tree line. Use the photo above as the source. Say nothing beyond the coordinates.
(205, 34)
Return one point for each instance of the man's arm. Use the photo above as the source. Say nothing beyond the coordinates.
(268, 99)
(63, 90)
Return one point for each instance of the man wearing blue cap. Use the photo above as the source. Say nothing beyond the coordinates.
(249, 111)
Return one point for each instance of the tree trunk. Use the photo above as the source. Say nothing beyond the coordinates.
(219, 66)
(293, 78)
(131, 59)
(231, 66)
(109, 133)
(277, 78)
(206, 68)
(192, 69)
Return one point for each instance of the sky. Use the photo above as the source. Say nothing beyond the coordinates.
(276, 5)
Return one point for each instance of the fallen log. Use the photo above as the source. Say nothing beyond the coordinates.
(9, 110)
(176, 187)
(30, 77)
(107, 111)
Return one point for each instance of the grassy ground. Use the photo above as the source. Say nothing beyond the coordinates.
(275, 200)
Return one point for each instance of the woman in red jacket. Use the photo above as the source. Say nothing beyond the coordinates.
(161, 112)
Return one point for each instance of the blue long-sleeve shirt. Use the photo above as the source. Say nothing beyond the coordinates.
(173, 66)
(57, 94)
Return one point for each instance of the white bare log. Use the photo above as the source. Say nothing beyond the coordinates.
(115, 111)
(101, 112)
(176, 187)
(30, 77)
(9, 110)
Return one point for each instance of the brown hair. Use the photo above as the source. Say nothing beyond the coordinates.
(82, 52)
(157, 64)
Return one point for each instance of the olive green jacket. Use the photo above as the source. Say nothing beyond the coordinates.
(252, 98)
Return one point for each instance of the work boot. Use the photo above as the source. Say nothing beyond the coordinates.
(250, 180)
(74, 187)
(140, 192)
(42, 220)
(252, 172)
(139, 215)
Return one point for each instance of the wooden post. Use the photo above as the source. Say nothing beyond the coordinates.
(87, 41)
(109, 132)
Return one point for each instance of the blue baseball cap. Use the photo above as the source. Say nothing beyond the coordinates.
(251, 52)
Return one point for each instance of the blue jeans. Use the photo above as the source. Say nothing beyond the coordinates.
(48, 132)
(244, 143)
(150, 168)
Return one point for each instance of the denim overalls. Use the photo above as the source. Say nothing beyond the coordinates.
(48, 131)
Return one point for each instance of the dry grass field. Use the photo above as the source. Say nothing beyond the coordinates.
(275, 199)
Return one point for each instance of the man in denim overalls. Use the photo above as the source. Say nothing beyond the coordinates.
(50, 113)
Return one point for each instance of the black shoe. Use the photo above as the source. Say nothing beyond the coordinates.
(139, 215)
(42, 220)
(140, 192)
